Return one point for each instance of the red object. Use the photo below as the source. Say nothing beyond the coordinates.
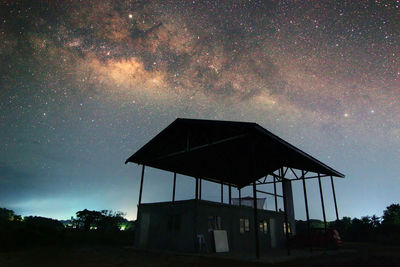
(317, 238)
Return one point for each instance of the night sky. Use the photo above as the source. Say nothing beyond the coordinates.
(84, 84)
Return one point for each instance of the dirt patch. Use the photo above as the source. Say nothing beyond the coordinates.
(352, 254)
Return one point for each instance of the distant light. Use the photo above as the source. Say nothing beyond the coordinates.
(346, 115)
(122, 227)
(372, 111)
(130, 16)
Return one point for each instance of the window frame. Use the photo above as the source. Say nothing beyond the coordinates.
(263, 226)
(244, 225)
(214, 222)
(287, 228)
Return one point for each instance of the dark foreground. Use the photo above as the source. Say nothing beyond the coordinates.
(352, 254)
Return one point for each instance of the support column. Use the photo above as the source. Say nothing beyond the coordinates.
(256, 220)
(322, 200)
(306, 204)
(334, 198)
(173, 189)
(240, 198)
(230, 194)
(285, 213)
(197, 188)
(141, 186)
(200, 188)
(276, 198)
(222, 192)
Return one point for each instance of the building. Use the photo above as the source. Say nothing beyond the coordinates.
(236, 155)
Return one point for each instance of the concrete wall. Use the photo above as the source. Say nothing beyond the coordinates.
(230, 219)
(155, 231)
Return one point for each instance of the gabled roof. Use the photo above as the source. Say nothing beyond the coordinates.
(237, 153)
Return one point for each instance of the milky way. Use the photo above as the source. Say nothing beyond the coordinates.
(84, 84)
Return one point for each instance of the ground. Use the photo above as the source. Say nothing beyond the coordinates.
(352, 254)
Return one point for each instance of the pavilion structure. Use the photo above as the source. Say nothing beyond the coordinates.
(235, 154)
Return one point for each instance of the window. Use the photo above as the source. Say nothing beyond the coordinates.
(210, 223)
(174, 223)
(263, 225)
(244, 225)
(214, 223)
(218, 223)
(288, 228)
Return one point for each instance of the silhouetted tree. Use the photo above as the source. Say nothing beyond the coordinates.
(361, 229)
(88, 218)
(105, 220)
(111, 221)
(375, 221)
(42, 223)
(391, 216)
(6, 214)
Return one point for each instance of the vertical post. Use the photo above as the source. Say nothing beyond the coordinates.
(256, 220)
(230, 194)
(276, 198)
(200, 188)
(222, 192)
(141, 186)
(322, 200)
(306, 204)
(197, 188)
(240, 198)
(285, 208)
(334, 198)
(173, 189)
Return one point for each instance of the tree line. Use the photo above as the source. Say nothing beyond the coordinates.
(87, 227)
(107, 227)
(385, 229)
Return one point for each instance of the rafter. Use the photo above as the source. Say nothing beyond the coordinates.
(191, 149)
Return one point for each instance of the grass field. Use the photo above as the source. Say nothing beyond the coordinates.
(352, 254)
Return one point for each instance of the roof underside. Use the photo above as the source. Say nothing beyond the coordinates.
(237, 153)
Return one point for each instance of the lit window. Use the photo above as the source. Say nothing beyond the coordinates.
(263, 225)
(244, 225)
(288, 228)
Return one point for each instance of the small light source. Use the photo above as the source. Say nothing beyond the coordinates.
(346, 115)
(130, 16)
